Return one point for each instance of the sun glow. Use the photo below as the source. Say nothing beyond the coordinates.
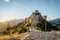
(7, 0)
(4, 19)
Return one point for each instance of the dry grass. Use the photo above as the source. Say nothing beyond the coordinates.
(15, 36)
(32, 34)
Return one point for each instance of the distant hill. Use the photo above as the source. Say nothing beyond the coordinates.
(14, 22)
(9, 23)
(55, 22)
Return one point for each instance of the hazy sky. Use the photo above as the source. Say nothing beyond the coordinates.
(17, 9)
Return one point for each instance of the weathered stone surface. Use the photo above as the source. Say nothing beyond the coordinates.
(43, 36)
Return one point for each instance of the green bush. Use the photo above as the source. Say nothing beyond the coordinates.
(22, 29)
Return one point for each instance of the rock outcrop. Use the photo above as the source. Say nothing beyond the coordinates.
(37, 21)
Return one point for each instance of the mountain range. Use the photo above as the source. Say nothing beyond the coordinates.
(56, 21)
(34, 22)
(9, 23)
